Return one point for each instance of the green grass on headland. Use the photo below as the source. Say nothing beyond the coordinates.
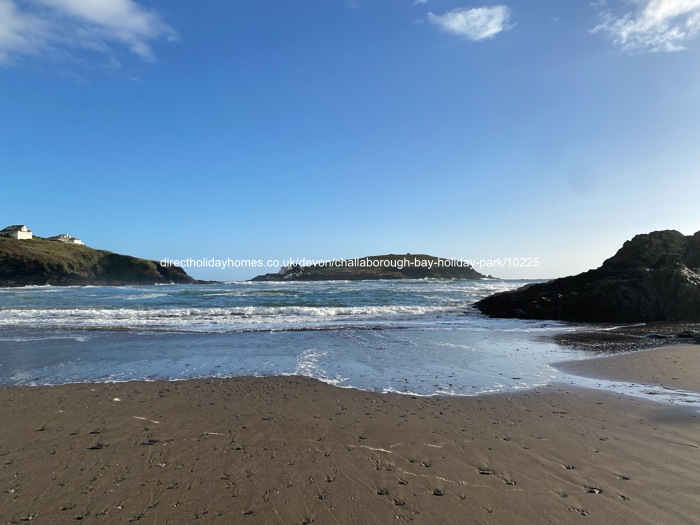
(39, 261)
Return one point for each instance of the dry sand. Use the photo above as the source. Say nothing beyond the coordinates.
(293, 450)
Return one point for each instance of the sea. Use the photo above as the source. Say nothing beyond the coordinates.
(418, 337)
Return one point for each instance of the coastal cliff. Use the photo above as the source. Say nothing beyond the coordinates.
(40, 261)
(378, 267)
(653, 277)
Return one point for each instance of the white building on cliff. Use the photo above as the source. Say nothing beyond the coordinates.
(18, 231)
(64, 237)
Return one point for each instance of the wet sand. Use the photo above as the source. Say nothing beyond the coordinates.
(294, 450)
(676, 367)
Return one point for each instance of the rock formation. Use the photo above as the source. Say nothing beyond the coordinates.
(376, 267)
(653, 277)
(41, 261)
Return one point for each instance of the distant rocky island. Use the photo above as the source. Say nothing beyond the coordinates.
(32, 260)
(653, 277)
(377, 267)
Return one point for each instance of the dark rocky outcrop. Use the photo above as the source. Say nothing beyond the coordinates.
(653, 277)
(40, 261)
(378, 267)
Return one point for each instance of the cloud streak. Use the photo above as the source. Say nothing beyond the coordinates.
(53, 27)
(656, 26)
(478, 23)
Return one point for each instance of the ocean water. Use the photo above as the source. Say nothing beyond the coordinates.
(254, 307)
(421, 337)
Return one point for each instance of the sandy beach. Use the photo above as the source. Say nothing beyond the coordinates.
(294, 450)
(675, 367)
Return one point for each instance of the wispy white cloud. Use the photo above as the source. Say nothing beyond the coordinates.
(477, 23)
(416, 2)
(18, 31)
(655, 26)
(51, 27)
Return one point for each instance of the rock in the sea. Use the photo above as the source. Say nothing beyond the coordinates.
(378, 267)
(653, 277)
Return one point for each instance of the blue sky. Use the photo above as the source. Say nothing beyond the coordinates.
(325, 129)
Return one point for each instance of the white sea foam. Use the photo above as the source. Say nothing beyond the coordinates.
(263, 317)
(43, 337)
(419, 337)
(140, 297)
(197, 319)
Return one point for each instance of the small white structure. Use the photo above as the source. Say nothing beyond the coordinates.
(18, 231)
(64, 237)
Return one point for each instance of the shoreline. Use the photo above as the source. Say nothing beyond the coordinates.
(675, 367)
(296, 450)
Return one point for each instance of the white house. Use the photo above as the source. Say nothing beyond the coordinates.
(64, 237)
(18, 231)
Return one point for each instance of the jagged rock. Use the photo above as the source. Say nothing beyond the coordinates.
(653, 277)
